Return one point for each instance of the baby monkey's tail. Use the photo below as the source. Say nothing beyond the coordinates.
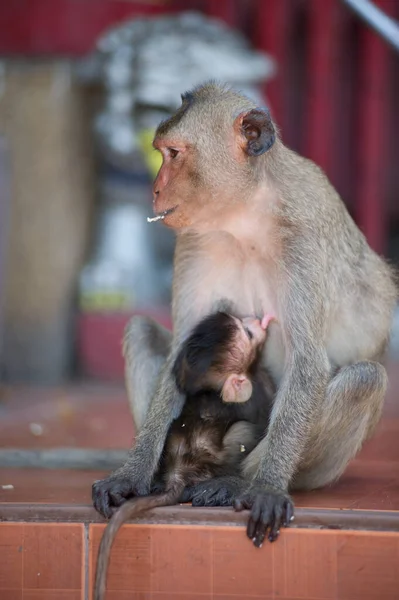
(130, 509)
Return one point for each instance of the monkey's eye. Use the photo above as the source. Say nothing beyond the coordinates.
(173, 152)
(249, 333)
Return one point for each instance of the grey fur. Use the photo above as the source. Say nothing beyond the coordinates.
(273, 233)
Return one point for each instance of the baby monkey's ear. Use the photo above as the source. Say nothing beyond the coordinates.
(237, 388)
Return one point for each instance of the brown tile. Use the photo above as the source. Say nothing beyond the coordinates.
(185, 596)
(88, 416)
(361, 479)
(239, 567)
(368, 566)
(240, 597)
(130, 565)
(53, 557)
(386, 498)
(382, 445)
(44, 486)
(11, 546)
(155, 596)
(128, 595)
(305, 564)
(11, 594)
(181, 559)
(52, 595)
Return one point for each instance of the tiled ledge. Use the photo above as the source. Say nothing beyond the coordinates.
(313, 518)
(44, 561)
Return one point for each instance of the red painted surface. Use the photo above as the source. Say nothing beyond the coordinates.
(99, 342)
(272, 30)
(222, 9)
(322, 85)
(64, 27)
(372, 91)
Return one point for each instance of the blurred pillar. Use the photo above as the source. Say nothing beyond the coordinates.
(42, 117)
(4, 223)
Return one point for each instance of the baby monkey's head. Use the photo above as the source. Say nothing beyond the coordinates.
(221, 355)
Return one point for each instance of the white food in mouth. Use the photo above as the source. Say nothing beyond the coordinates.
(162, 215)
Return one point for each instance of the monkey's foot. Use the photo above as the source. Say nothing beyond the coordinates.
(270, 509)
(218, 491)
(108, 494)
(213, 497)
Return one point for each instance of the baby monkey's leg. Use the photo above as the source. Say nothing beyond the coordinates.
(238, 442)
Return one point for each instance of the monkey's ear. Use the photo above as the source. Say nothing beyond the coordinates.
(256, 131)
(237, 388)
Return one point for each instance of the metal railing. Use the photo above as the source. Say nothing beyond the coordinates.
(377, 20)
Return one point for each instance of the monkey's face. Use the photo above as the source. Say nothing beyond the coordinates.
(177, 187)
(211, 150)
(219, 346)
(248, 340)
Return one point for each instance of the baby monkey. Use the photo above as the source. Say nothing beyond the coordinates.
(226, 413)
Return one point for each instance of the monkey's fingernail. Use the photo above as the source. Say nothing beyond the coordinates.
(292, 518)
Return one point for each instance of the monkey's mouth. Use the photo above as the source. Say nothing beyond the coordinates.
(162, 215)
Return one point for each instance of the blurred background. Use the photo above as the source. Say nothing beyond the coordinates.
(83, 85)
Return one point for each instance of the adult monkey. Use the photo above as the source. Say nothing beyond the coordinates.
(263, 227)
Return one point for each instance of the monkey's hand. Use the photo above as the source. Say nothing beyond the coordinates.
(270, 509)
(109, 493)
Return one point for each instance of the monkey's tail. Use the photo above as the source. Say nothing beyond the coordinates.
(130, 509)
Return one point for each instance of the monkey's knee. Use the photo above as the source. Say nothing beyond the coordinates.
(355, 397)
(145, 347)
(143, 334)
(360, 381)
(349, 416)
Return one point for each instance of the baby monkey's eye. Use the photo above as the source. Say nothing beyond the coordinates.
(173, 152)
(249, 333)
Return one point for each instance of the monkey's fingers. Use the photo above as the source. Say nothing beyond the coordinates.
(268, 517)
(275, 523)
(243, 503)
(254, 504)
(100, 502)
(111, 492)
(269, 511)
(211, 493)
(289, 513)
